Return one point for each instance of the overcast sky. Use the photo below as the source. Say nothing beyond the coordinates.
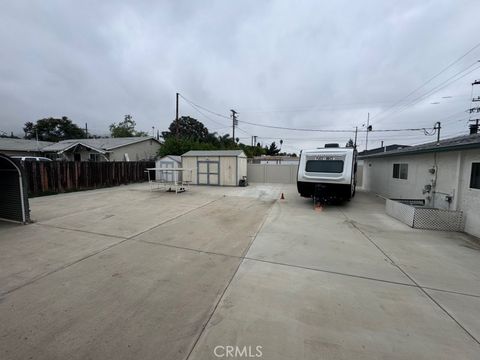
(306, 64)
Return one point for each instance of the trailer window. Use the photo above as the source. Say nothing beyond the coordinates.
(324, 166)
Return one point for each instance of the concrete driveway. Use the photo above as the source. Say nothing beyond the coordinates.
(125, 273)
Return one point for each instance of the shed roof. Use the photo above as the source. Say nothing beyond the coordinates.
(176, 158)
(9, 144)
(104, 144)
(452, 144)
(215, 153)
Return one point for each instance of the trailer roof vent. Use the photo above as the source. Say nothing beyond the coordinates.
(332, 145)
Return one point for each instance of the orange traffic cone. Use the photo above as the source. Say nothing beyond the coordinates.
(282, 197)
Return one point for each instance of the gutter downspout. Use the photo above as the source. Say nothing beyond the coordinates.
(434, 180)
(456, 190)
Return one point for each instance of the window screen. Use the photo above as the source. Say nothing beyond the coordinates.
(475, 176)
(324, 166)
(400, 171)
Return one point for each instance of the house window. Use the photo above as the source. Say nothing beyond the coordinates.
(400, 171)
(475, 176)
(94, 157)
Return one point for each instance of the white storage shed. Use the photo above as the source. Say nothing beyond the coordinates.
(216, 167)
(169, 161)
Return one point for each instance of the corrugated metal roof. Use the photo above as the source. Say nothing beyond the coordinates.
(214, 153)
(451, 144)
(9, 144)
(104, 144)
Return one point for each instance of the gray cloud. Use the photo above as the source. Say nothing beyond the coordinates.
(298, 64)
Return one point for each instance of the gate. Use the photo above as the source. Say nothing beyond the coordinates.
(208, 172)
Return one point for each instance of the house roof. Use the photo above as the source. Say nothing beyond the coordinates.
(452, 144)
(382, 149)
(100, 145)
(215, 153)
(9, 144)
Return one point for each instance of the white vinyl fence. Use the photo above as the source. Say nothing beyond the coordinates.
(282, 174)
(272, 173)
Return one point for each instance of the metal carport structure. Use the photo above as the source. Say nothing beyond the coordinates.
(13, 191)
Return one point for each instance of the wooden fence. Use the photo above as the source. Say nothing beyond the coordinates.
(45, 178)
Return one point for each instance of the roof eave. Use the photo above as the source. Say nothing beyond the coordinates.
(80, 143)
(422, 151)
(133, 142)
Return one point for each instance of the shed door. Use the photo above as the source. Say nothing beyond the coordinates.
(208, 172)
(168, 176)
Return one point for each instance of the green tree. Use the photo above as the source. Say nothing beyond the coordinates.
(125, 128)
(272, 149)
(193, 135)
(349, 143)
(174, 146)
(188, 128)
(53, 129)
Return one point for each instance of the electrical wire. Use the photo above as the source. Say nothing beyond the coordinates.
(203, 108)
(432, 91)
(203, 114)
(430, 79)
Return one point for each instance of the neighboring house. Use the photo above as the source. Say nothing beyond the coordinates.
(22, 147)
(445, 175)
(107, 149)
(275, 160)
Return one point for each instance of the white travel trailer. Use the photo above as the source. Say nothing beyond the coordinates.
(327, 174)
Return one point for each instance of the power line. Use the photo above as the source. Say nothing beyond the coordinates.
(203, 114)
(432, 91)
(327, 130)
(440, 87)
(430, 80)
(204, 108)
(293, 129)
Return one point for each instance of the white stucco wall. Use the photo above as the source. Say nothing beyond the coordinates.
(453, 171)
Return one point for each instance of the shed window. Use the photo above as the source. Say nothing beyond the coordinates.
(324, 166)
(475, 176)
(400, 171)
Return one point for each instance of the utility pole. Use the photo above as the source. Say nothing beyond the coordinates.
(176, 115)
(234, 123)
(254, 140)
(438, 127)
(356, 132)
(369, 128)
(86, 131)
(473, 109)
